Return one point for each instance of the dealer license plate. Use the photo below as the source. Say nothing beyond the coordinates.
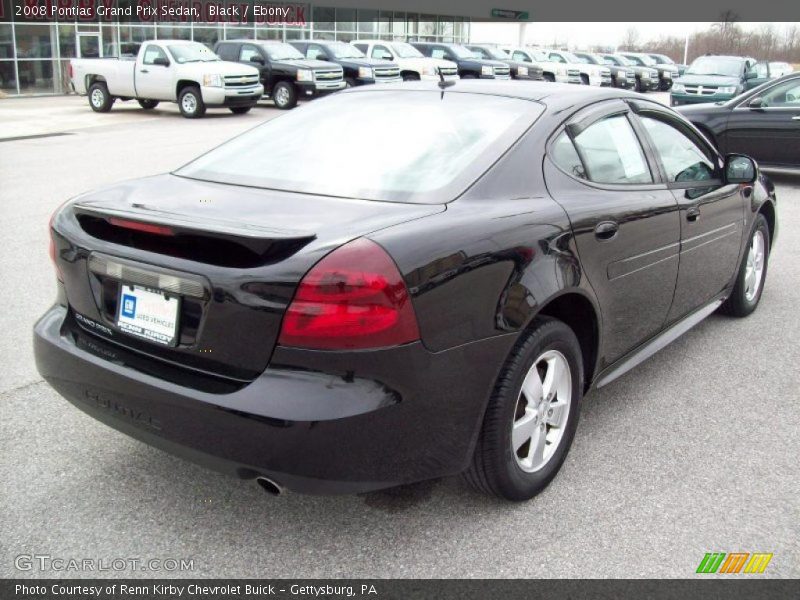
(149, 314)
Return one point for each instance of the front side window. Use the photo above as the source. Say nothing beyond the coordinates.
(611, 152)
(439, 53)
(315, 52)
(786, 95)
(151, 53)
(521, 57)
(381, 52)
(394, 146)
(557, 58)
(682, 158)
(248, 52)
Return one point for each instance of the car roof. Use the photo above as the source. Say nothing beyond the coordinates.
(549, 93)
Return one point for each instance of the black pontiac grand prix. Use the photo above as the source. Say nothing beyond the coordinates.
(425, 282)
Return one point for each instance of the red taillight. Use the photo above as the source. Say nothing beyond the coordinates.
(140, 226)
(353, 298)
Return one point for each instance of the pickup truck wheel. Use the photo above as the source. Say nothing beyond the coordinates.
(190, 102)
(349, 82)
(549, 77)
(468, 76)
(284, 95)
(639, 87)
(585, 79)
(410, 77)
(99, 98)
(148, 104)
(240, 110)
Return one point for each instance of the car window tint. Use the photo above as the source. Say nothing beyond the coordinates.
(563, 153)
(611, 152)
(786, 94)
(682, 158)
(248, 52)
(151, 53)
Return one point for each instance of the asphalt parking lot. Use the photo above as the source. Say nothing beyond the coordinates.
(694, 451)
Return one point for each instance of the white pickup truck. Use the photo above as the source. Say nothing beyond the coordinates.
(168, 70)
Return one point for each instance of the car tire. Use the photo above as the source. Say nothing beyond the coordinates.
(99, 98)
(468, 76)
(550, 349)
(585, 79)
(639, 86)
(148, 104)
(752, 273)
(349, 82)
(549, 77)
(239, 110)
(284, 95)
(190, 102)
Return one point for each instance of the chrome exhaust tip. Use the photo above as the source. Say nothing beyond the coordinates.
(269, 486)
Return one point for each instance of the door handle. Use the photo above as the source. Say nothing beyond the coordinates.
(143, 71)
(693, 214)
(606, 230)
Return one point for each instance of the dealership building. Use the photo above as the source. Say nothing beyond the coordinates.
(35, 50)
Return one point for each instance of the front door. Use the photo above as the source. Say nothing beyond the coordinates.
(770, 133)
(624, 221)
(711, 212)
(153, 80)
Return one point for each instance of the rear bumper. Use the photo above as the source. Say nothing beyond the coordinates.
(315, 422)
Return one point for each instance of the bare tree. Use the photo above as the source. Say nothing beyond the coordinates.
(630, 41)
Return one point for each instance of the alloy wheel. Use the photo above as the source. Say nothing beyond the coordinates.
(542, 411)
(98, 98)
(282, 96)
(754, 268)
(189, 103)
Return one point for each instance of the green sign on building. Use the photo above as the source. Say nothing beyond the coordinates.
(514, 15)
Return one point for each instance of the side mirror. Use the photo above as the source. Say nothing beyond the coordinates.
(739, 169)
(161, 61)
(257, 59)
(756, 103)
(750, 75)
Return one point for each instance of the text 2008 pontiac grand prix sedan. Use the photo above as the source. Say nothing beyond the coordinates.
(392, 285)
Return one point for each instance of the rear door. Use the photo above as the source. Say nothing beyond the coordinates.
(771, 133)
(625, 222)
(711, 212)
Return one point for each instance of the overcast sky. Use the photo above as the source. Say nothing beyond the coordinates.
(581, 35)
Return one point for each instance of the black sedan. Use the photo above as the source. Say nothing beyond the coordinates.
(763, 122)
(425, 282)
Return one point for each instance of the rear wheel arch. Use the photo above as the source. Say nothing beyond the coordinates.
(578, 312)
(768, 210)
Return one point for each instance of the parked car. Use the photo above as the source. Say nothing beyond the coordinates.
(551, 71)
(663, 59)
(763, 123)
(469, 65)
(519, 69)
(413, 64)
(285, 74)
(646, 77)
(621, 77)
(358, 69)
(711, 78)
(667, 72)
(591, 74)
(764, 71)
(167, 70)
(424, 316)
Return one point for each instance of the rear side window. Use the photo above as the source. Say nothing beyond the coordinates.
(682, 158)
(611, 152)
(563, 153)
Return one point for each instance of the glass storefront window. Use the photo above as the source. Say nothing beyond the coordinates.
(240, 32)
(207, 35)
(34, 41)
(427, 25)
(346, 20)
(299, 34)
(324, 18)
(269, 34)
(366, 22)
(6, 42)
(36, 76)
(385, 23)
(171, 32)
(399, 25)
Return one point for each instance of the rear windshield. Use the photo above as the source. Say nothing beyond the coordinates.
(414, 146)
